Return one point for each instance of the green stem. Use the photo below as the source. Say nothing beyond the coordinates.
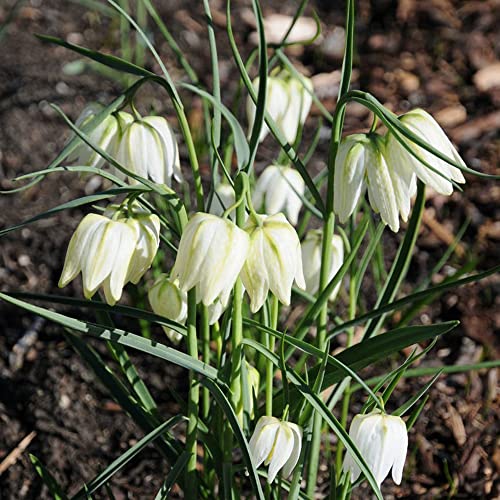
(193, 402)
(269, 365)
(206, 358)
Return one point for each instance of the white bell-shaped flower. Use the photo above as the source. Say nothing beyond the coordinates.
(426, 128)
(279, 189)
(276, 103)
(299, 105)
(382, 440)
(274, 260)
(361, 163)
(211, 253)
(168, 300)
(288, 102)
(103, 135)
(111, 250)
(148, 148)
(276, 443)
(311, 260)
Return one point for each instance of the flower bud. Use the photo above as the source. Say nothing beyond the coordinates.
(311, 259)
(274, 260)
(276, 443)
(211, 254)
(382, 440)
(168, 300)
(110, 252)
(103, 135)
(278, 190)
(300, 100)
(361, 163)
(149, 149)
(423, 125)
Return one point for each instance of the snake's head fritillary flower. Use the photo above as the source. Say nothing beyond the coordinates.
(168, 300)
(223, 198)
(274, 260)
(361, 164)
(382, 440)
(278, 189)
(277, 443)
(311, 260)
(148, 148)
(423, 125)
(103, 135)
(211, 253)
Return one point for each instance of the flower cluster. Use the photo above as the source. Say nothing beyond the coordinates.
(388, 170)
(288, 101)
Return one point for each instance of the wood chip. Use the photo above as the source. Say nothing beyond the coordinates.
(475, 128)
(457, 425)
(488, 77)
(14, 455)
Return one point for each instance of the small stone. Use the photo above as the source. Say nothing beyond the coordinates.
(488, 77)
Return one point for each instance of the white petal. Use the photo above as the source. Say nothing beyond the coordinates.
(263, 438)
(282, 449)
(295, 455)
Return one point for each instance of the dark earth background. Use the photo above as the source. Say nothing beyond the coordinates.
(442, 55)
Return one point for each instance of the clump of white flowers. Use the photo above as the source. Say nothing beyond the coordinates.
(382, 441)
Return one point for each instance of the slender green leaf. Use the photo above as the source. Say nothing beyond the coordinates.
(173, 475)
(414, 399)
(48, 479)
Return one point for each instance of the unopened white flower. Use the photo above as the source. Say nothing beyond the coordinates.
(211, 253)
(253, 383)
(311, 260)
(361, 163)
(288, 102)
(168, 300)
(110, 250)
(426, 128)
(274, 260)
(276, 443)
(278, 189)
(222, 199)
(103, 135)
(148, 148)
(382, 440)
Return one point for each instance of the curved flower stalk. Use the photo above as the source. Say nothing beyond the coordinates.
(382, 440)
(361, 163)
(277, 190)
(148, 148)
(110, 252)
(427, 128)
(105, 135)
(274, 260)
(277, 443)
(168, 300)
(211, 253)
(311, 260)
(288, 103)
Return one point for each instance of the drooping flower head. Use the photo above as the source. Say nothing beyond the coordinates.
(148, 148)
(288, 102)
(104, 135)
(277, 190)
(277, 443)
(110, 251)
(423, 125)
(274, 260)
(360, 164)
(211, 253)
(311, 260)
(382, 441)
